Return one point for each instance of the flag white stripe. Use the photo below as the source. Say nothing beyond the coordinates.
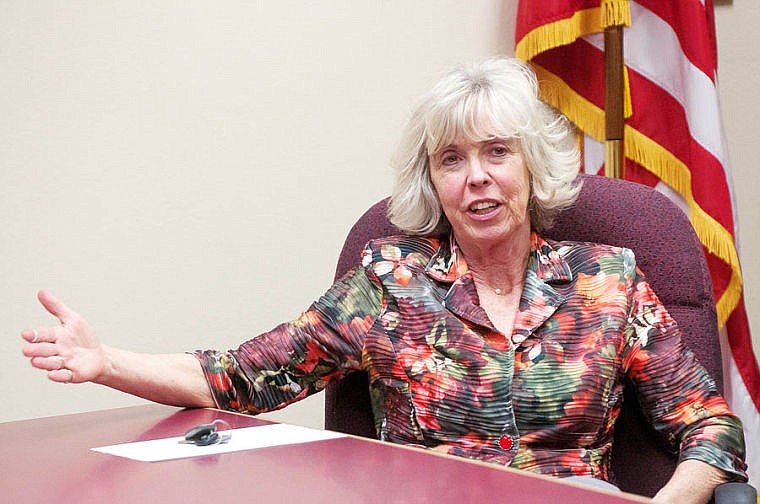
(674, 197)
(593, 154)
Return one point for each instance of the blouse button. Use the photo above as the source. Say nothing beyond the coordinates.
(505, 442)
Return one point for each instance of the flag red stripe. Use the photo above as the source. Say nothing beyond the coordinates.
(530, 18)
(720, 273)
(741, 347)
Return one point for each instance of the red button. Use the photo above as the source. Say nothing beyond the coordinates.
(505, 442)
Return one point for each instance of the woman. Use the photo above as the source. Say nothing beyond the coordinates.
(480, 338)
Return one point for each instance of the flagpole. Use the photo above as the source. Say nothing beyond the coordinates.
(614, 93)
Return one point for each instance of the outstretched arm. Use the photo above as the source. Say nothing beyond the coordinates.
(72, 353)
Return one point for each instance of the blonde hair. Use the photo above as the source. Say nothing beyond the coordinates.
(495, 98)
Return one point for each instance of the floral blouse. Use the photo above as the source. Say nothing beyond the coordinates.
(441, 376)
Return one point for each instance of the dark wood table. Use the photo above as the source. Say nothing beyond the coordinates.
(49, 460)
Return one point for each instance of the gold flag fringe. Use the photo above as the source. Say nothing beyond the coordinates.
(672, 171)
(585, 115)
(568, 30)
(718, 241)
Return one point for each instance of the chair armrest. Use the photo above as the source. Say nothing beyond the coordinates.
(735, 493)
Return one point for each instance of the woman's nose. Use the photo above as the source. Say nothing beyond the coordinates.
(478, 174)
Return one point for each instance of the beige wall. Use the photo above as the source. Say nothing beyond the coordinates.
(183, 173)
(739, 75)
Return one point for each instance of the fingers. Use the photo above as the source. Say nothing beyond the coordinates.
(55, 365)
(40, 350)
(41, 334)
(61, 376)
(55, 306)
(30, 335)
(45, 334)
(66, 316)
(52, 363)
(44, 343)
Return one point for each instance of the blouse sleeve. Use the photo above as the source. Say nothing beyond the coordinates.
(297, 358)
(676, 393)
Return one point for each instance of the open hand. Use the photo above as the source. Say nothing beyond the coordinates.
(69, 352)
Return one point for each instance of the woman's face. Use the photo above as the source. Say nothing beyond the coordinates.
(483, 188)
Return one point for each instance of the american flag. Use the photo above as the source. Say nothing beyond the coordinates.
(673, 136)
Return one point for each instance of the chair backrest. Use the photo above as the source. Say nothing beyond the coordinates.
(667, 250)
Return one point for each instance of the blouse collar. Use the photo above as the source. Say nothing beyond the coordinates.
(448, 263)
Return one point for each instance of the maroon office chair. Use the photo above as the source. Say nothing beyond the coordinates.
(608, 211)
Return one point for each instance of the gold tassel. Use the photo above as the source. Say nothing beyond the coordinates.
(615, 13)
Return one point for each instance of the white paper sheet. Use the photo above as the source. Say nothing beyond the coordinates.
(247, 438)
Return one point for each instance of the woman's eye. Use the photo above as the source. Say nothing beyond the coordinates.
(500, 150)
(449, 159)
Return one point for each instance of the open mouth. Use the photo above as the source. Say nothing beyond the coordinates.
(483, 207)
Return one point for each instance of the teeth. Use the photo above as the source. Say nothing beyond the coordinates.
(482, 205)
